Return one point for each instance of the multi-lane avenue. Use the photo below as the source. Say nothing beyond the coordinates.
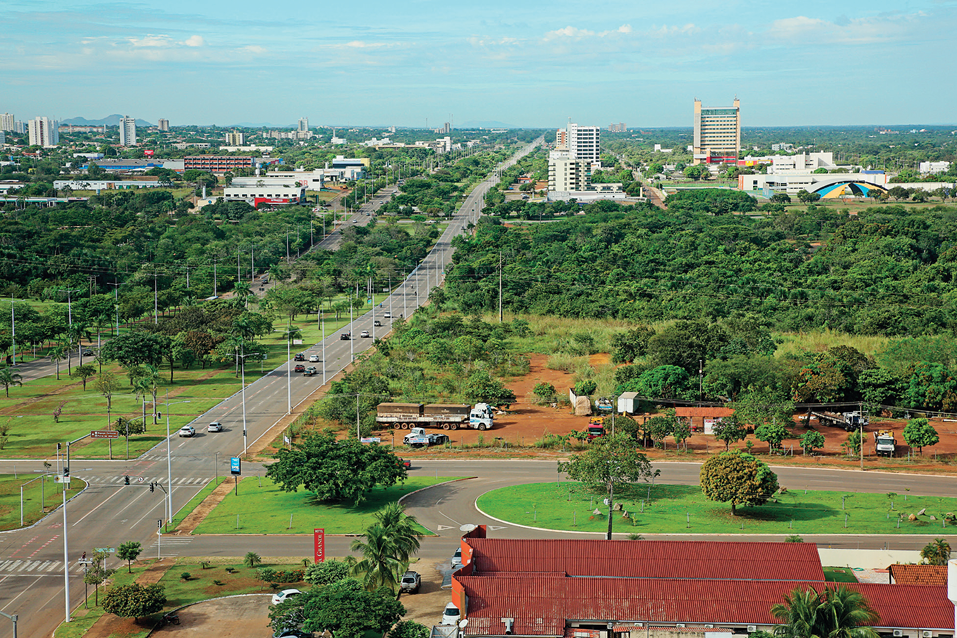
(109, 512)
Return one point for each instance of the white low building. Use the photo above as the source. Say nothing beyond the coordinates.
(273, 193)
(795, 182)
(933, 168)
(104, 184)
(312, 180)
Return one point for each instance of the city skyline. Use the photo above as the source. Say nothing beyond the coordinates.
(425, 63)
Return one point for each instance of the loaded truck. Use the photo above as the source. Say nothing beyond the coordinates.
(884, 443)
(448, 416)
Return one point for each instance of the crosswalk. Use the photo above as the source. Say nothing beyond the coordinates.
(168, 546)
(145, 480)
(35, 567)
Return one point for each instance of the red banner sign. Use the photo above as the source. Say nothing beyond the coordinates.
(319, 542)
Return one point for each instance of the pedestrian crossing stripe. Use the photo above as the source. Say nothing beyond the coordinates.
(19, 567)
(121, 480)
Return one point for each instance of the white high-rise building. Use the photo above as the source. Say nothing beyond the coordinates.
(235, 138)
(127, 131)
(163, 125)
(584, 143)
(303, 124)
(717, 133)
(7, 121)
(44, 132)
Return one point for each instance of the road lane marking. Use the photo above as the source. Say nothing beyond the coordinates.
(96, 508)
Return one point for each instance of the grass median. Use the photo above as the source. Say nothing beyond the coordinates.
(263, 508)
(40, 497)
(683, 509)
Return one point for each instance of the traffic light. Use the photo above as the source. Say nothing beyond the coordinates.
(152, 487)
(126, 479)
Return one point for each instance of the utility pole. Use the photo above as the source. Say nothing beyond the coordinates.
(500, 317)
(155, 300)
(215, 294)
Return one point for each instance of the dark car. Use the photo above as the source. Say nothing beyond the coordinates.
(345, 336)
(299, 357)
(300, 368)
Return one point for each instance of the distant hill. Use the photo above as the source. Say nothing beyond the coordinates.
(482, 124)
(109, 120)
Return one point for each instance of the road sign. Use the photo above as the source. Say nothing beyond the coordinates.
(319, 543)
(234, 466)
(105, 434)
(105, 550)
(61, 478)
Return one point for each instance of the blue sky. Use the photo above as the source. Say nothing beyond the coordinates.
(532, 63)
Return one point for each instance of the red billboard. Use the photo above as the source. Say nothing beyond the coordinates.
(319, 543)
(148, 153)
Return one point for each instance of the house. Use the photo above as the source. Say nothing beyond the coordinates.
(703, 419)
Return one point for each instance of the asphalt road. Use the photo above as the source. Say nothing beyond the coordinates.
(109, 512)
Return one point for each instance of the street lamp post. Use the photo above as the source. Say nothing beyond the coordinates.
(169, 463)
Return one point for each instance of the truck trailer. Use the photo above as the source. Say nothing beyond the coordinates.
(448, 416)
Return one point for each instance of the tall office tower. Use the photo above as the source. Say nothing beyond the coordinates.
(303, 124)
(163, 125)
(235, 138)
(44, 132)
(561, 138)
(127, 131)
(7, 121)
(584, 142)
(717, 133)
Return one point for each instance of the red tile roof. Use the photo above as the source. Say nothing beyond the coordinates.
(541, 605)
(648, 559)
(935, 575)
(707, 412)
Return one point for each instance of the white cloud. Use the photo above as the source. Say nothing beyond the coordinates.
(150, 40)
(194, 41)
(254, 48)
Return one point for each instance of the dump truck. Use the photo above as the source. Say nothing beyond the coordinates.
(850, 421)
(596, 428)
(448, 416)
(884, 443)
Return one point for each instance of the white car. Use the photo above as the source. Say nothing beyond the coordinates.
(456, 561)
(313, 358)
(451, 615)
(215, 426)
(284, 595)
(187, 430)
(388, 315)
(364, 334)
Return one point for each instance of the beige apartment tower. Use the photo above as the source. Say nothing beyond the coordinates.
(717, 133)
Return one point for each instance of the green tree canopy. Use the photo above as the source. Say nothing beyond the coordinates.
(737, 478)
(134, 601)
(335, 470)
(919, 432)
(348, 610)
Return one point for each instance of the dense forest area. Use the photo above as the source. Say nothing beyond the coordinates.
(886, 271)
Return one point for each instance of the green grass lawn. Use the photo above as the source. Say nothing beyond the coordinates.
(569, 506)
(268, 509)
(40, 496)
(839, 575)
(28, 411)
(202, 585)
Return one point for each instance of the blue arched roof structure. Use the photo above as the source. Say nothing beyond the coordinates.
(831, 190)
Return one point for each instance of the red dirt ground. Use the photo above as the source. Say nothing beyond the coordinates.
(527, 423)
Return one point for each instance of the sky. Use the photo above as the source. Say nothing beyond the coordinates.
(531, 64)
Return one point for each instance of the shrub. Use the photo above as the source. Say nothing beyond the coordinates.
(185, 576)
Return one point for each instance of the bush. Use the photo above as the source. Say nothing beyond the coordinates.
(185, 576)
(585, 387)
(409, 629)
(325, 573)
(544, 391)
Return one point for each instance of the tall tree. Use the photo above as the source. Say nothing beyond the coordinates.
(936, 552)
(9, 377)
(611, 462)
(833, 613)
(129, 551)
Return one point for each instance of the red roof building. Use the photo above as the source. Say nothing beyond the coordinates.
(935, 575)
(621, 589)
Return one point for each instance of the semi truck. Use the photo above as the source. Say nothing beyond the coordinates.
(884, 443)
(448, 416)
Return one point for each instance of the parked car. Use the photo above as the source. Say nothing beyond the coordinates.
(456, 561)
(410, 582)
(284, 595)
(187, 430)
(299, 357)
(364, 334)
(345, 336)
(215, 426)
(300, 368)
(310, 371)
(451, 615)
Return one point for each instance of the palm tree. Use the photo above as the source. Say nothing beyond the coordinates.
(243, 292)
(8, 378)
(380, 566)
(935, 553)
(833, 613)
(401, 529)
(799, 613)
(847, 614)
(58, 354)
